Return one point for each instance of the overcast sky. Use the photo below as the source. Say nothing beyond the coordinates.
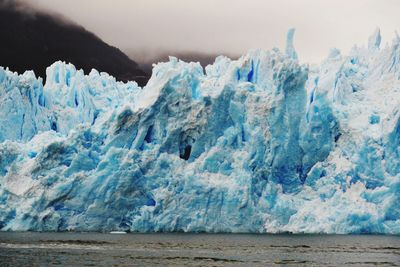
(232, 26)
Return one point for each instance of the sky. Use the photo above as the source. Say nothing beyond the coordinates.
(148, 27)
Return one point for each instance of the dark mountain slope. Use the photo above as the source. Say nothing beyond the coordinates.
(33, 40)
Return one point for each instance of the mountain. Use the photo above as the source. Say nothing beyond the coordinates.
(33, 40)
(258, 144)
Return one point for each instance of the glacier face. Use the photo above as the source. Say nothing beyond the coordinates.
(258, 144)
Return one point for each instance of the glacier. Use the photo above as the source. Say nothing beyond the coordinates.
(260, 144)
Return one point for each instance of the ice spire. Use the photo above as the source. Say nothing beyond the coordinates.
(374, 41)
(396, 39)
(290, 51)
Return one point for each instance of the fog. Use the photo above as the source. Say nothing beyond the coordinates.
(146, 29)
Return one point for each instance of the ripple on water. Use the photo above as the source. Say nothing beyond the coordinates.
(92, 249)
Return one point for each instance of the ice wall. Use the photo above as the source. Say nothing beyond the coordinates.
(258, 144)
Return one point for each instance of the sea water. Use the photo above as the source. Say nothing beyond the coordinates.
(178, 249)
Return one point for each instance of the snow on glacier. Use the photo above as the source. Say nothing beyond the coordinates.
(258, 144)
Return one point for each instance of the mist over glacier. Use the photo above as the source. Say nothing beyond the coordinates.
(258, 144)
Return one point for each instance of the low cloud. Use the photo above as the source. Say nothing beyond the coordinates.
(230, 26)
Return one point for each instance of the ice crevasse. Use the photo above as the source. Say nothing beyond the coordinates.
(258, 144)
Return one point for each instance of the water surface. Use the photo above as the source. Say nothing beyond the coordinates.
(95, 249)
